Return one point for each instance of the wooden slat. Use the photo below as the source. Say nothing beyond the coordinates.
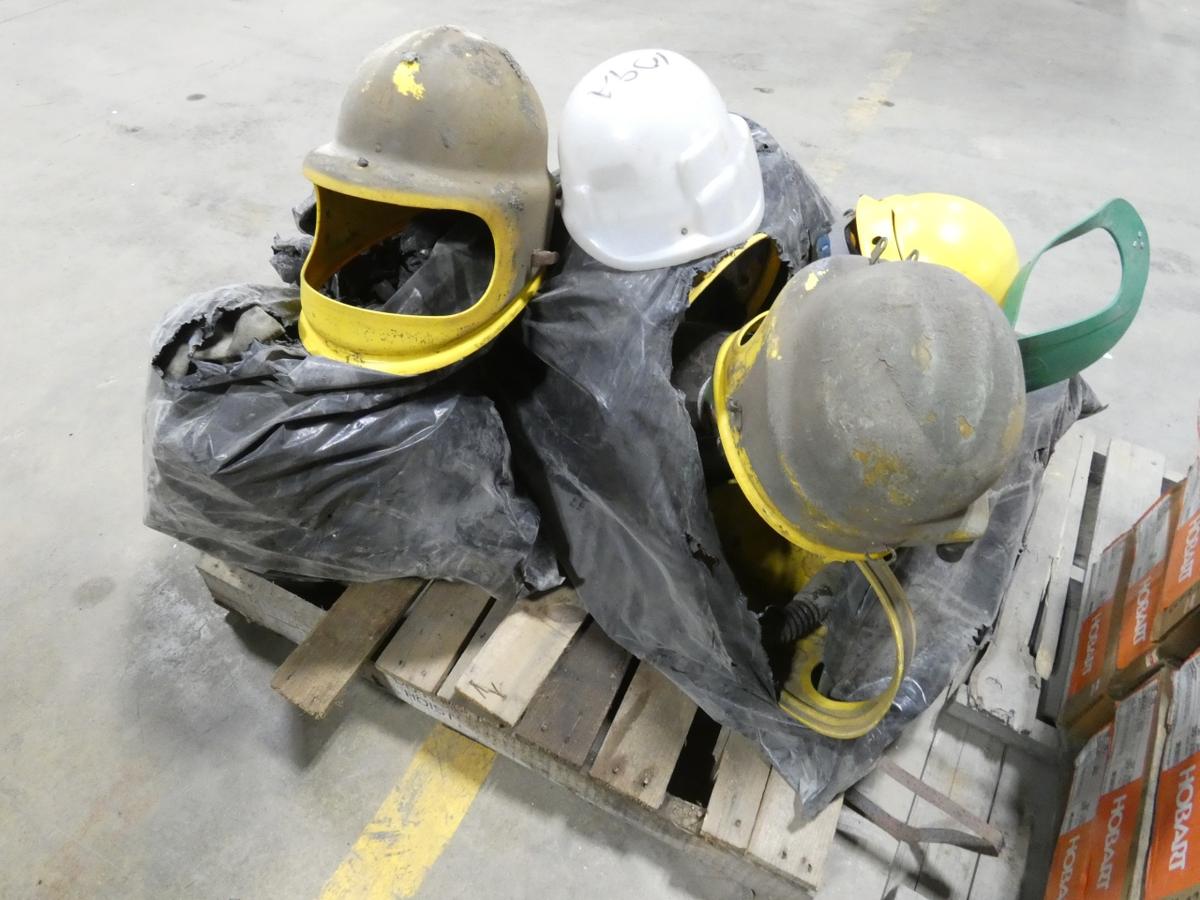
(948, 871)
(1046, 639)
(642, 746)
(510, 668)
(317, 671)
(567, 713)
(1028, 795)
(1132, 481)
(863, 855)
(259, 600)
(737, 793)
(496, 614)
(1005, 683)
(676, 822)
(800, 853)
(964, 765)
(428, 642)
(938, 773)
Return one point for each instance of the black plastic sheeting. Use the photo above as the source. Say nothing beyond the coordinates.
(608, 449)
(299, 466)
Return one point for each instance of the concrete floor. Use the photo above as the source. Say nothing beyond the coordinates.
(142, 753)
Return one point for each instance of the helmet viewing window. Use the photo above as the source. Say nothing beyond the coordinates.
(739, 285)
(430, 263)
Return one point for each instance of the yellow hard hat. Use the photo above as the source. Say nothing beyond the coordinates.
(944, 229)
(439, 119)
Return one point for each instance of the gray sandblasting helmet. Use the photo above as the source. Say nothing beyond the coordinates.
(439, 119)
(872, 406)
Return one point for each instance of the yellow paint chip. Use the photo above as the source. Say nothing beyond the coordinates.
(414, 824)
(965, 428)
(922, 353)
(405, 79)
(773, 351)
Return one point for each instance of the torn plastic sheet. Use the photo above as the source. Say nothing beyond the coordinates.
(288, 253)
(608, 446)
(299, 466)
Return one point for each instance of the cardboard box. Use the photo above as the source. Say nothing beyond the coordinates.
(1068, 869)
(1173, 865)
(1087, 705)
(1137, 651)
(1121, 837)
(1177, 625)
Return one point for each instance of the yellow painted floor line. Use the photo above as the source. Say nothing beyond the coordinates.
(400, 845)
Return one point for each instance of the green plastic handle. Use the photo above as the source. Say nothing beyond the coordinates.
(1055, 355)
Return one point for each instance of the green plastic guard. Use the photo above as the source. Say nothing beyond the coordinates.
(1055, 355)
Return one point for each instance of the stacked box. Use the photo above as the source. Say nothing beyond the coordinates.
(1137, 651)
(1088, 706)
(1121, 836)
(1068, 870)
(1178, 624)
(1173, 865)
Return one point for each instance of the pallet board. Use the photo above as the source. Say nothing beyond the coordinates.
(318, 670)
(737, 794)
(540, 683)
(439, 624)
(1092, 490)
(1005, 686)
(569, 710)
(1125, 479)
(511, 666)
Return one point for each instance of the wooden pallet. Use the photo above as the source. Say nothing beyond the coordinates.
(541, 684)
(992, 744)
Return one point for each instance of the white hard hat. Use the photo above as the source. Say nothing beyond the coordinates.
(655, 170)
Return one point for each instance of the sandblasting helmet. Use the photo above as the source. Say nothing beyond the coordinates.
(439, 119)
(872, 406)
(655, 170)
(941, 228)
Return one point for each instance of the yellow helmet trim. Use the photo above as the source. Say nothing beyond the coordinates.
(734, 359)
(848, 719)
(944, 229)
(761, 292)
(397, 343)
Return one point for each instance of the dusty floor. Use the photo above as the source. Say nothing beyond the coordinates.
(152, 149)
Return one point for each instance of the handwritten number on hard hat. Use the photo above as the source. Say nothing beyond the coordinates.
(631, 74)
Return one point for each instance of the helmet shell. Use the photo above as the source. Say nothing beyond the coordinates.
(944, 229)
(655, 170)
(871, 406)
(439, 119)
